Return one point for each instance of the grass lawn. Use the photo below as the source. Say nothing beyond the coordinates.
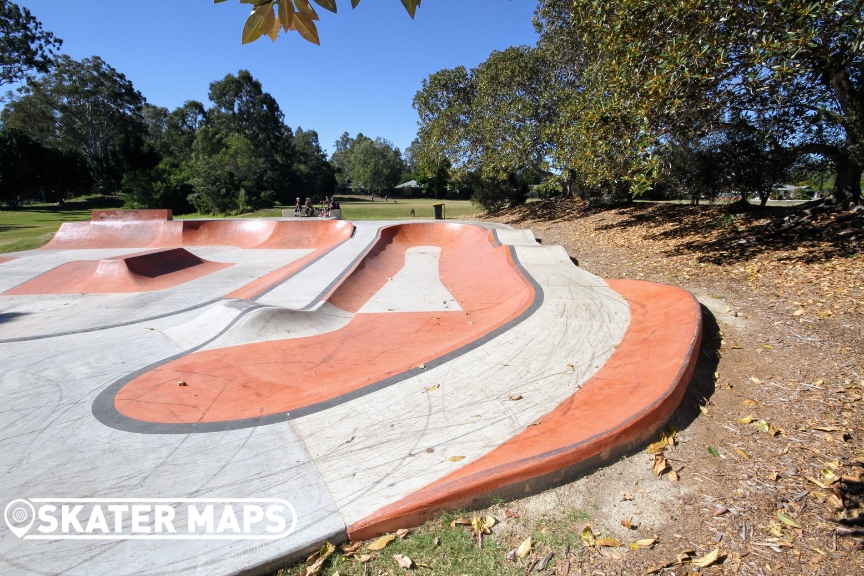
(361, 208)
(32, 226)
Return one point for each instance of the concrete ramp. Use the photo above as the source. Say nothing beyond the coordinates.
(368, 379)
(275, 376)
(118, 233)
(141, 272)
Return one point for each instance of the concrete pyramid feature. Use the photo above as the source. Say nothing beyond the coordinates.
(338, 366)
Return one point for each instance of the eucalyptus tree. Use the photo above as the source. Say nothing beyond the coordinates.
(25, 47)
(659, 72)
(493, 122)
(86, 105)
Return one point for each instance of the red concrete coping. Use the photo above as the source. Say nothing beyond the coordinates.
(141, 272)
(4, 259)
(131, 215)
(265, 378)
(623, 405)
(273, 234)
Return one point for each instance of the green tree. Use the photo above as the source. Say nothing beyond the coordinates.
(269, 17)
(491, 124)
(24, 46)
(32, 171)
(668, 71)
(242, 107)
(154, 119)
(226, 174)
(86, 105)
(181, 125)
(315, 176)
(341, 158)
(376, 165)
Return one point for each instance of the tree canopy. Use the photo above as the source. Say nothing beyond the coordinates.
(87, 106)
(670, 71)
(24, 46)
(375, 166)
(269, 17)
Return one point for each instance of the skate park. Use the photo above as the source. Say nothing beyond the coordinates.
(370, 373)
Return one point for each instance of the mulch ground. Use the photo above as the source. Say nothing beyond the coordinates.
(769, 446)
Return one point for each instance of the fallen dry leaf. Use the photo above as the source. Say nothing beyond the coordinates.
(660, 464)
(315, 562)
(460, 520)
(644, 543)
(351, 548)
(628, 523)
(607, 542)
(656, 447)
(381, 542)
(433, 387)
(742, 453)
(363, 558)
(479, 526)
(515, 397)
(817, 482)
(524, 548)
(746, 420)
(403, 561)
(403, 532)
(455, 459)
(749, 402)
(707, 559)
(788, 521)
(588, 536)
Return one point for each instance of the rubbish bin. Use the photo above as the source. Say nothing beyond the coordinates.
(439, 210)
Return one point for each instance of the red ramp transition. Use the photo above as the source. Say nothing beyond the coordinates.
(141, 272)
(265, 378)
(624, 404)
(116, 232)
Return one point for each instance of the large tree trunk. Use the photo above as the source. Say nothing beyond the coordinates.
(847, 186)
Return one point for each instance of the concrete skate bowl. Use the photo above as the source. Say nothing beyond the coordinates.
(141, 272)
(161, 269)
(419, 295)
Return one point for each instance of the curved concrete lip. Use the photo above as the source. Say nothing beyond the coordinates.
(372, 374)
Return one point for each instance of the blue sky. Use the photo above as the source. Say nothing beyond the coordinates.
(362, 78)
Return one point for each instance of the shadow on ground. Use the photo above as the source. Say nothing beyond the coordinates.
(717, 233)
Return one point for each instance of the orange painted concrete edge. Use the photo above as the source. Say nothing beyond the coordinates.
(526, 464)
(79, 276)
(259, 286)
(131, 215)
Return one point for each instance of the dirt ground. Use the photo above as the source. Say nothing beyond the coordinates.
(769, 451)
